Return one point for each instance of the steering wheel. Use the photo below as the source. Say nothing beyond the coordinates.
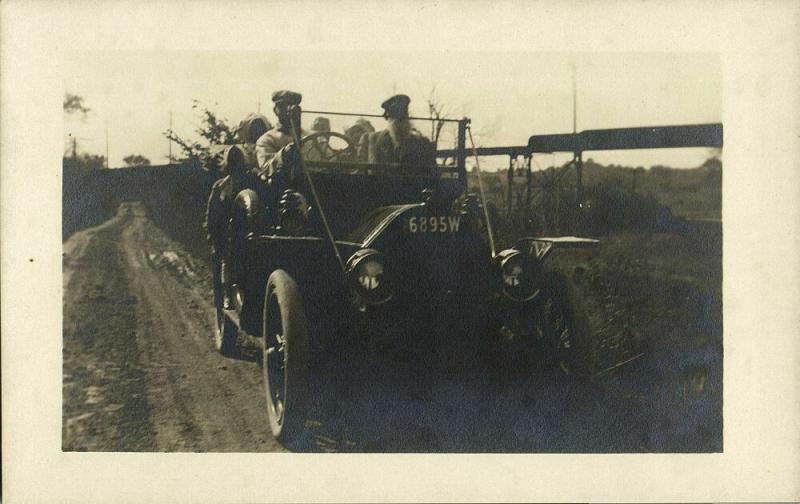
(317, 147)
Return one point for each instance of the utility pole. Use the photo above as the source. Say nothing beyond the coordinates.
(577, 158)
(510, 179)
(574, 101)
(106, 144)
(74, 148)
(170, 137)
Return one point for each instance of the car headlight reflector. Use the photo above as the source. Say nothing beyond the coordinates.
(368, 274)
(517, 274)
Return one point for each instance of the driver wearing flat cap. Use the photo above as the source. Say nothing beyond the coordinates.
(400, 143)
(276, 147)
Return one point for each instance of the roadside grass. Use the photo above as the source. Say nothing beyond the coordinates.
(650, 292)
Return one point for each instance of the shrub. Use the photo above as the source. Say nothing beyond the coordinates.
(609, 208)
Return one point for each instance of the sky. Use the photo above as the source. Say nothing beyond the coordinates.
(509, 96)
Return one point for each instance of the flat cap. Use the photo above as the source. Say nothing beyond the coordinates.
(286, 96)
(321, 124)
(396, 106)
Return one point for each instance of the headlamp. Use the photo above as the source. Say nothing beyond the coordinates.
(517, 275)
(366, 270)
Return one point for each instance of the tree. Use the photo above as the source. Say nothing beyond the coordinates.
(74, 104)
(213, 130)
(136, 160)
(83, 164)
(436, 111)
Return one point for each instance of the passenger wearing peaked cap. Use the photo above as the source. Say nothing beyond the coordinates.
(396, 107)
(273, 149)
(400, 143)
(287, 97)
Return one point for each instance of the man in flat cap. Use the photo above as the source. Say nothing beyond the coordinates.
(400, 142)
(275, 148)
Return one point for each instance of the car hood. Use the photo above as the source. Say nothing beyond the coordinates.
(377, 222)
(431, 248)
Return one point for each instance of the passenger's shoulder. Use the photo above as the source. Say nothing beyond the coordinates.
(417, 134)
(419, 139)
(268, 136)
(378, 135)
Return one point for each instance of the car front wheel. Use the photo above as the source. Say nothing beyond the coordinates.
(285, 357)
(552, 328)
(561, 327)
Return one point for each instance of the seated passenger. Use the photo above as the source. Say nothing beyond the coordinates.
(275, 147)
(400, 143)
(318, 149)
(236, 191)
(248, 132)
(357, 134)
(218, 217)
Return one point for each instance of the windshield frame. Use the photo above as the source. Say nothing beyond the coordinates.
(460, 151)
(352, 168)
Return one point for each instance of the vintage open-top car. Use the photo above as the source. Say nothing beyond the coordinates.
(347, 259)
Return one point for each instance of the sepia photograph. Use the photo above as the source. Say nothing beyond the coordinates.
(399, 251)
(275, 251)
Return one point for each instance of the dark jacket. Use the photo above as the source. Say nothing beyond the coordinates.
(416, 155)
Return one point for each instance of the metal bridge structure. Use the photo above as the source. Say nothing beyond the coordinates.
(649, 137)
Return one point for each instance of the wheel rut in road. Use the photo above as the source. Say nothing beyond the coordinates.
(140, 369)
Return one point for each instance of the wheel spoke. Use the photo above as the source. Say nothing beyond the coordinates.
(564, 340)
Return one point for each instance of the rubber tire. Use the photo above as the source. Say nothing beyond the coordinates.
(296, 362)
(581, 360)
(225, 331)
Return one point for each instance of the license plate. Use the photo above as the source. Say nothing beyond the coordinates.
(434, 224)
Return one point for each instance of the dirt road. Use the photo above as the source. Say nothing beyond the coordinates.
(141, 374)
(140, 371)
